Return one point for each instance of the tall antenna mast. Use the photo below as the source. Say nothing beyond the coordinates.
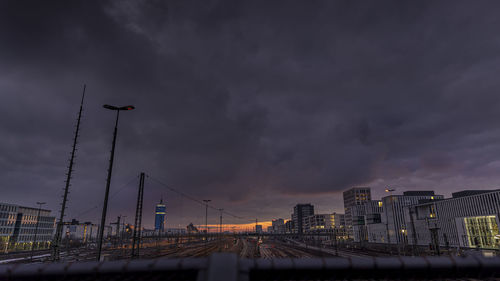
(57, 238)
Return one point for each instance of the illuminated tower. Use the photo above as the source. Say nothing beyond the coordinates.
(160, 216)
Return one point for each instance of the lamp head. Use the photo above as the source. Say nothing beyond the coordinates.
(128, 107)
(110, 107)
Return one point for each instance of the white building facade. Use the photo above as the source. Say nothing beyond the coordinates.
(468, 219)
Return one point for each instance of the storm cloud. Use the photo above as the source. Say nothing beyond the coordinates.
(256, 105)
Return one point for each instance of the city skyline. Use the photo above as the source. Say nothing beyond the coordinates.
(254, 111)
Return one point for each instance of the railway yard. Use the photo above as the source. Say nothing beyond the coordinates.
(245, 247)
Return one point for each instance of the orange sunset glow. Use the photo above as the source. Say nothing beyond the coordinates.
(235, 227)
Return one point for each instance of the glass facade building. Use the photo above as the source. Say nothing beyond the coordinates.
(18, 225)
(160, 214)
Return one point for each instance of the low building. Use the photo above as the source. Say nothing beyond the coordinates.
(82, 232)
(319, 222)
(175, 231)
(18, 225)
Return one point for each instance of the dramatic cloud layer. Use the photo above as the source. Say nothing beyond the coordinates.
(257, 106)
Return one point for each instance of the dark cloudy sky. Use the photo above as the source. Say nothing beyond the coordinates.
(256, 105)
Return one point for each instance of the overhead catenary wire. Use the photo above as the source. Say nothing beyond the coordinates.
(169, 187)
(112, 195)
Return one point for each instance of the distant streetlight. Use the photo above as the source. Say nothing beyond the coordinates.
(36, 228)
(110, 169)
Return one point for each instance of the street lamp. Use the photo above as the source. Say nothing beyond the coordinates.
(36, 228)
(110, 169)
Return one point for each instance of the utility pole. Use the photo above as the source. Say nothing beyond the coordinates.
(122, 230)
(336, 242)
(206, 214)
(220, 230)
(206, 221)
(36, 228)
(136, 240)
(56, 244)
(108, 180)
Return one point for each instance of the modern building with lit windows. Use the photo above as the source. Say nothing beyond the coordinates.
(18, 226)
(469, 219)
(369, 212)
(394, 210)
(160, 215)
(354, 197)
(318, 222)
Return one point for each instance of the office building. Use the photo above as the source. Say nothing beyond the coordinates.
(319, 222)
(289, 227)
(369, 212)
(339, 220)
(300, 211)
(469, 219)
(258, 228)
(278, 226)
(160, 213)
(394, 209)
(353, 197)
(18, 225)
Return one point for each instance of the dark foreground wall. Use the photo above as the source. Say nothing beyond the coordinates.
(224, 266)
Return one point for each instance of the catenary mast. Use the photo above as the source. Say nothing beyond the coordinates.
(57, 238)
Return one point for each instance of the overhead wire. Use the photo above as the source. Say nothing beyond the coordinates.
(169, 187)
(112, 195)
